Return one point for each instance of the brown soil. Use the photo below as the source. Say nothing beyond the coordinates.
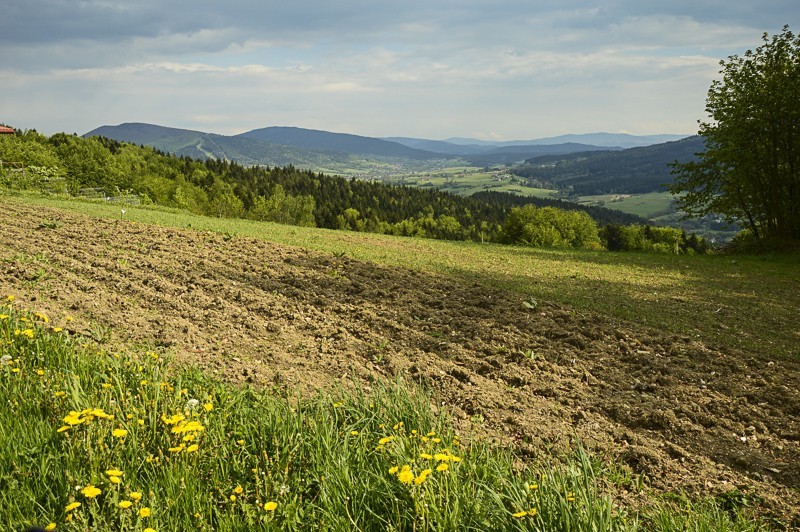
(689, 416)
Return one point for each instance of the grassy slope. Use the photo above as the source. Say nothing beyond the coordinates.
(744, 302)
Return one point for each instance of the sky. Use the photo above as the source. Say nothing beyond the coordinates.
(492, 70)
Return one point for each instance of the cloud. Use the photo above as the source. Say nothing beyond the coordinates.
(435, 68)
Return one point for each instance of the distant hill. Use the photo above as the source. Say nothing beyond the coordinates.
(514, 154)
(631, 171)
(495, 153)
(339, 142)
(255, 148)
(607, 140)
(168, 139)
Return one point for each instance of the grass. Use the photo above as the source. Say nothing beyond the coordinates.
(98, 440)
(748, 303)
(645, 205)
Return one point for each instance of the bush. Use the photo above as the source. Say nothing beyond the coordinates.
(550, 227)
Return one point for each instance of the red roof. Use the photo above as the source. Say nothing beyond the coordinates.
(6, 130)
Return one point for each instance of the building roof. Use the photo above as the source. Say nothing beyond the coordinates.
(6, 130)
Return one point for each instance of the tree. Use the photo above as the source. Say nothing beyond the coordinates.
(750, 170)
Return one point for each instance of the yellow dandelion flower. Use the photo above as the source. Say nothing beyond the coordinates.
(140, 422)
(208, 407)
(172, 420)
(106, 385)
(15, 370)
(125, 504)
(68, 318)
(522, 513)
(393, 470)
(426, 456)
(533, 486)
(177, 449)
(442, 467)
(353, 433)
(60, 394)
(240, 442)
(71, 506)
(406, 476)
(423, 476)
(119, 433)
(191, 426)
(192, 448)
(40, 372)
(144, 512)
(41, 317)
(270, 506)
(238, 490)
(148, 529)
(338, 405)
(532, 512)
(233, 498)
(64, 428)
(99, 412)
(10, 299)
(51, 526)
(570, 497)
(135, 495)
(385, 440)
(57, 329)
(114, 480)
(90, 492)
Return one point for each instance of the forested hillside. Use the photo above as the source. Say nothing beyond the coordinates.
(105, 168)
(631, 171)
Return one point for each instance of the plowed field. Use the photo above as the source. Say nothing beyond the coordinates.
(691, 417)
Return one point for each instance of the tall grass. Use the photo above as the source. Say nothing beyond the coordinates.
(99, 440)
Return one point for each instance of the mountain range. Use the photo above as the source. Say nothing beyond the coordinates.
(346, 153)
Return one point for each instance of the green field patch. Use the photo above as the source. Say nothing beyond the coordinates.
(647, 205)
(466, 181)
